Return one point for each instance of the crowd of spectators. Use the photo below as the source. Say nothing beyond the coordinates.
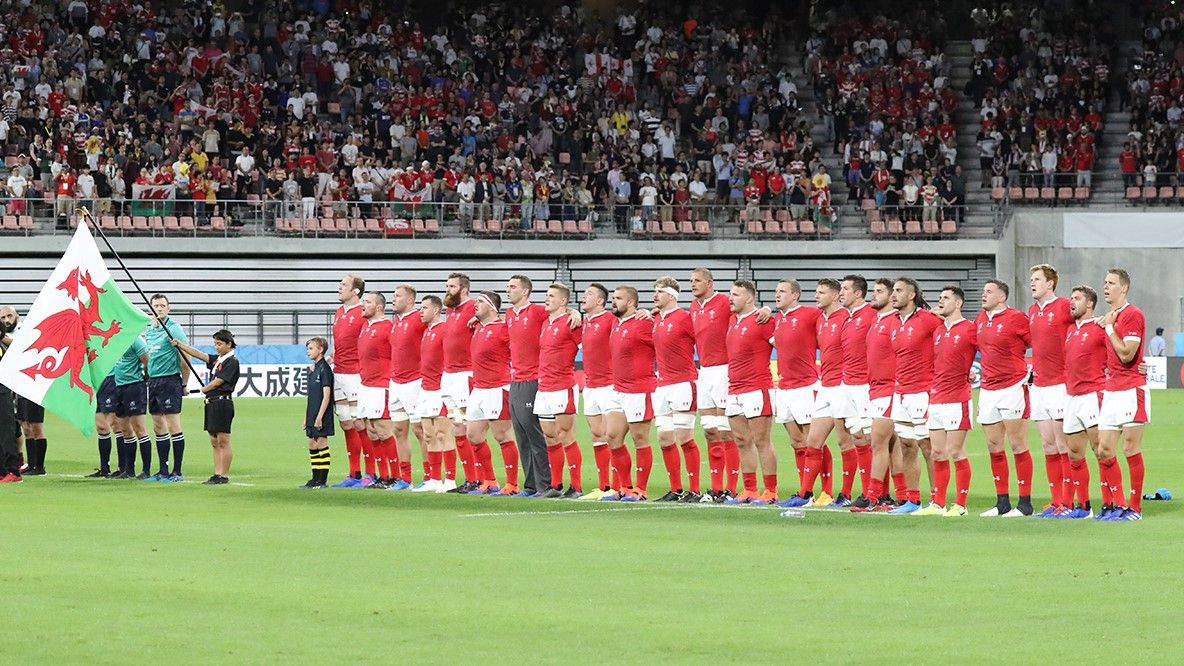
(881, 82)
(1040, 79)
(1153, 153)
(493, 109)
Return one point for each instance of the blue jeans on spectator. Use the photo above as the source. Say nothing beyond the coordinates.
(527, 214)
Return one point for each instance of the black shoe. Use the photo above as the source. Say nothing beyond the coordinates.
(672, 496)
(379, 484)
(571, 493)
(464, 488)
(309, 484)
(861, 503)
(1003, 504)
(34, 471)
(99, 474)
(143, 476)
(212, 481)
(723, 496)
(885, 504)
(1024, 506)
(691, 497)
(551, 493)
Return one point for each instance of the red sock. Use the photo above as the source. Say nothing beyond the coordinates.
(353, 448)
(1135, 468)
(799, 459)
(812, 468)
(914, 496)
(510, 461)
(876, 488)
(1107, 496)
(771, 484)
(715, 465)
(555, 462)
(884, 483)
(483, 460)
(405, 471)
(1066, 481)
(690, 452)
(468, 461)
(574, 460)
(603, 464)
(732, 464)
(749, 483)
(1023, 473)
(850, 469)
(622, 465)
(673, 466)
(941, 482)
(1001, 473)
(1080, 473)
(434, 459)
(899, 487)
(827, 471)
(450, 464)
(369, 452)
(427, 468)
(393, 464)
(863, 454)
(1052, 466)
(645, 462)
(962, 480)
(1111, 475)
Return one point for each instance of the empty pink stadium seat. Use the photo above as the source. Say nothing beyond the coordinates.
(1133, 193)
(877, 227)
(790, 227)
(494, 226)
(806, 226)
(585, 226)
(478, 226)
(10, 223)
(1032, 193)
(1015, 193)
(432, 225)
(687, 228)
(218, 223)
(929, 226)
(772, 227)
(1047, 193)
(1149, 192)
(554, 226)
(540, 226)
(25, 222)
(949, 227)
(419, 226)
(912, 227)
(570, 227)
(1064, 193)
(703, 228)
(186, 223)
(998, 193)
(1081, 193)
(895, 226)
(754, 227)
(1166, 192)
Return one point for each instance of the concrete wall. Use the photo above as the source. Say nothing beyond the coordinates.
(1157, 274)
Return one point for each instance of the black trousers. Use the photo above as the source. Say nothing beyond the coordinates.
(8, 431)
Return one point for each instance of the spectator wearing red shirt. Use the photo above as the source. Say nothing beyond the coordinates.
(1128, 161)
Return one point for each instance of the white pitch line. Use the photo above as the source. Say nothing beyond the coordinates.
(643, 507)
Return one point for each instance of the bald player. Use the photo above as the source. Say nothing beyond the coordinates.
(631, 408)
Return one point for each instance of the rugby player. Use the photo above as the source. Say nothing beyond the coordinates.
(630, 409)
(750, 401)
(347, 325)
(456, 382)
(1049, 321)
(852, 405)
(711, 315)
(674, 397)
(1085, 380)
(832, 317)
(881, 374)
(432, 413)
(374, 361)
(489, 403)
(555, 402)
(598, 382)
(406, 337)
(795, 336)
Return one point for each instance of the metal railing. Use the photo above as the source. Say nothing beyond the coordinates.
(310, 218)
(255, 326)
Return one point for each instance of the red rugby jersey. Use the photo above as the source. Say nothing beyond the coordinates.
(749, 349)
(406, 336)
(830, 345)
(1048, 325)
(674, 347)
(881, 355)
(854, 340)
(712, 319)
(1003, 338)
(913, 344)
(491, 355)
(632, 347)
(596, 349)
(374, 353)
(431, 357)
(347, 325)
(558, 344)
(458, 337)
(795, 335)
(1130, 325)
(1087, 344)
(525, 326)
(954, 347)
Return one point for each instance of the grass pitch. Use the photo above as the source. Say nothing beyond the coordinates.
(127, 572)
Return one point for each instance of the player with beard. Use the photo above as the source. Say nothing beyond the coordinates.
(851, 408)
(457, 380)
(1003, 406)
(831, 319)
(954, 348)
(374, 362)
(631, 408)
(347, 326)
(1085, 381)
(598, 382)
(1126, 402)
(1049, 321)
(913, 344)
(750, 400)
(881, 374)
(406, 338)
(489, 403)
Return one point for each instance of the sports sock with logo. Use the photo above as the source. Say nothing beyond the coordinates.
(433, 462)
(1052, 467)
(1111, 475)
(1001, 472)
(732, 464)
(1135, 468)
(623, 467)
(850, 470)
(163, 444)
(510, 461)
(555, 464)
(450, 464)
(941, 482)
(673, 463)
(864, 456)
(604, 464)
(1080, 472)
(1023, 473)
(771, 484)
(178, 452)
(353, 450)
(464, 449)
(962, 480)
(827, 470)
(690, 452)
(575, 459)
(645, 463)
(715, 465)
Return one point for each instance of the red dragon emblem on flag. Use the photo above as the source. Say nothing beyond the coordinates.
(69, 331)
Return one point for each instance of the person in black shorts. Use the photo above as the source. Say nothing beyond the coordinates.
(105, 426)
(10, 466)
(317, 427)
(29, 414)
(219, 392)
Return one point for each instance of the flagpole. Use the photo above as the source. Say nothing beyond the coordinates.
(94, 225)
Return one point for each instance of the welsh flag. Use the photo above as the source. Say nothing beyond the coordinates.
(79, 326)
